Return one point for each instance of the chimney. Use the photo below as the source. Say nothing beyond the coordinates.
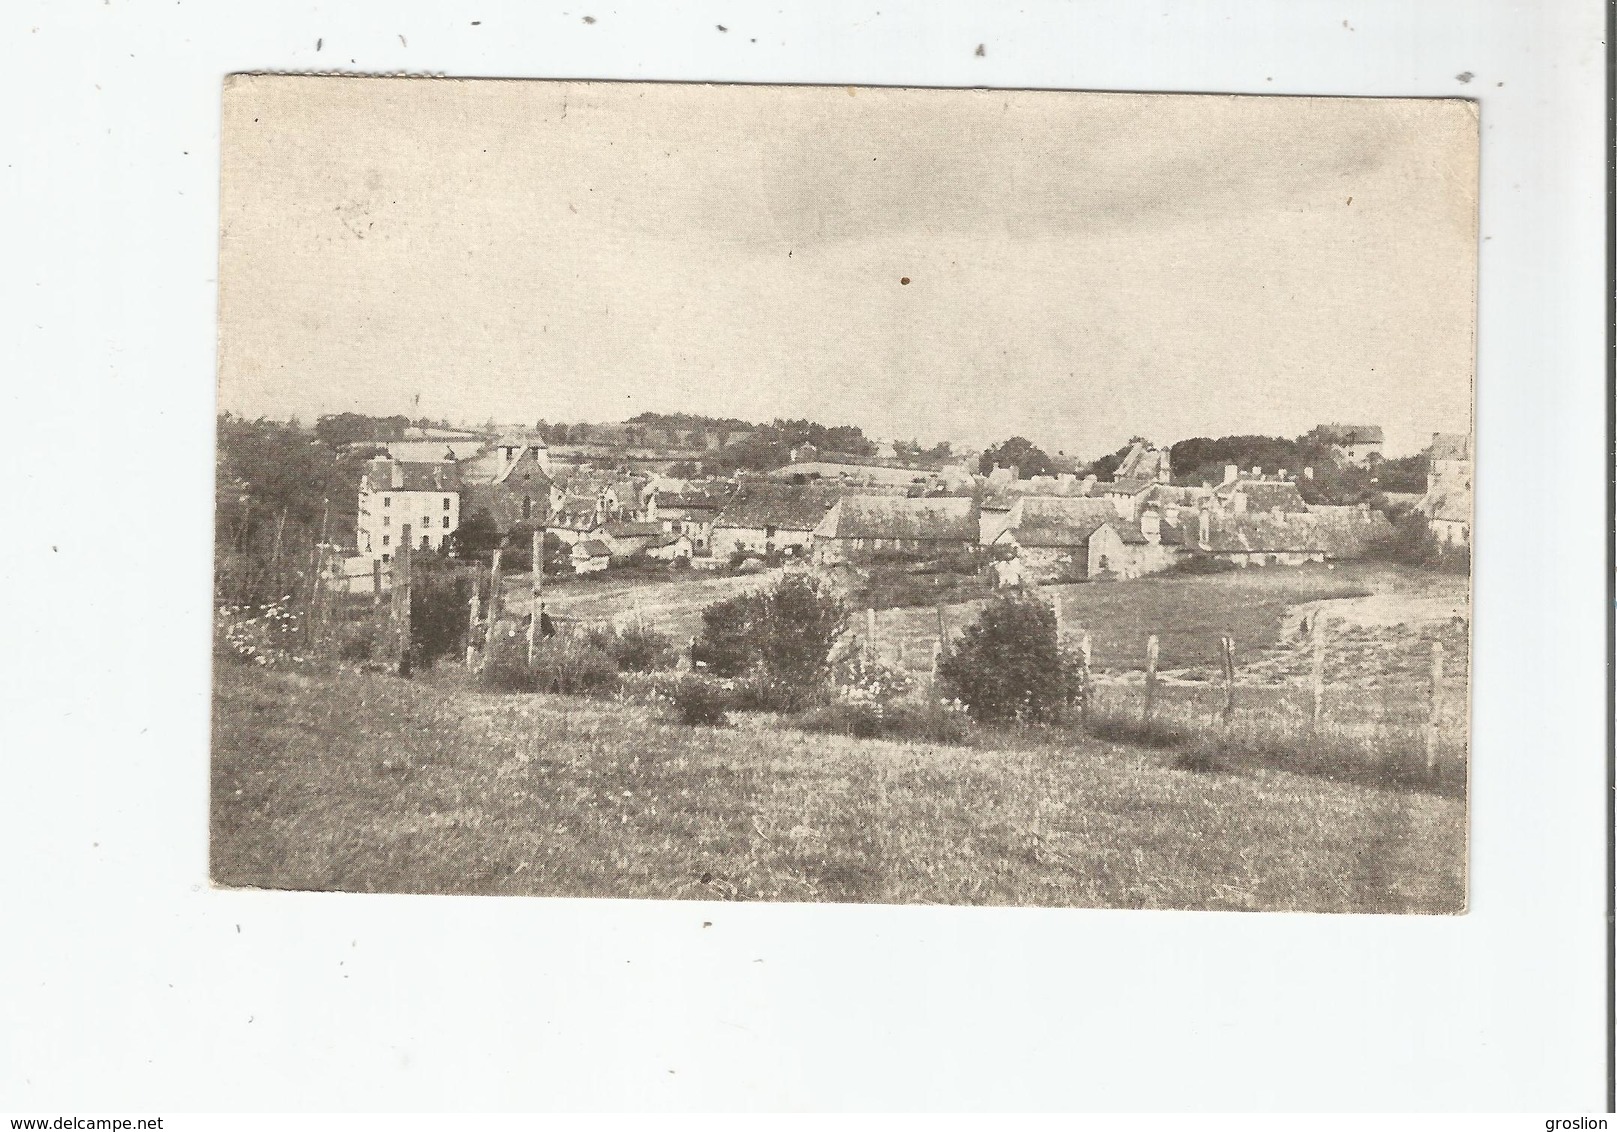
(1170, 512)
(1151, 527)
(1204, 525)
(1257, 472)
(1238, 502)
(1230, 474)
(397, 470)
(1089, 484)
(1282, 475)
(1308, 473)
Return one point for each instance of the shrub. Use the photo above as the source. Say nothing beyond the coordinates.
(800, 620)
(759, 691)
(636, 648)
(566, 666)
(786, 631)
(726, 645)
(702, 702)
(360, 641)
(1410, 541)
(1008, 666)
(439, 594)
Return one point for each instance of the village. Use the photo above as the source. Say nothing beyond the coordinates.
(834, 510)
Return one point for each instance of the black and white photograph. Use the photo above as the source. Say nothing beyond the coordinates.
(839, 494)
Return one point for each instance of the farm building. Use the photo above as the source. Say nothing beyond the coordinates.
(668, 547)
(688, 512)
(1127, 497)
(590, 556)
(626, 539)
(1061, 540)
(859, 526)
(766, 517)
(394, 495)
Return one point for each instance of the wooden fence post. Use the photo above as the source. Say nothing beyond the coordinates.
(870, 634)
(471, 622)
(1150, 675)
(376, 582)
(493, 606)
(1085, 685)
(534, 586)
(1057, 604)
(1435, 707)
(1318, 683)
(401, 600)
(1226, 658)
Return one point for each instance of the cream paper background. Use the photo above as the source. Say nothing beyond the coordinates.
(128, 985)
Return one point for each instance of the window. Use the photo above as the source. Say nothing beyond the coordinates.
(446, 522)
(387, 501)
(426, 543)
(387, 558)
(387, 520)
(527, 507)
(446, 503)
(426, 521)
(387, 540)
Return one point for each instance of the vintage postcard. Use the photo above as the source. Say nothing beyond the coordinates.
(844, 494)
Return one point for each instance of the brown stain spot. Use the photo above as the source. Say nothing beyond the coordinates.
(904, 281)
(1350, 200)
(1464, 77)
(982, 49)
(589, 19)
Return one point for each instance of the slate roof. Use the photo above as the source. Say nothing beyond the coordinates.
(937, 519)
(1050, 521)
(633, 530)
(592, 548)
(394, 475)
(794, 507)
(1337, 533)
(1267, 495)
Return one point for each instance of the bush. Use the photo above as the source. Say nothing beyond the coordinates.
(801, 618)
(786, 632)
(1008, 666)
(759, 691)
(565, 666)
(702, 702)
(361, 641)
(635, 648)
(1410, 542)
(439, 594)
(726, 646)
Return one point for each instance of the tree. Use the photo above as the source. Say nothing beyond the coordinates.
(477, 535)
(1018, 452)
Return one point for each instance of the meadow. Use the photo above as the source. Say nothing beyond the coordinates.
(362, 782)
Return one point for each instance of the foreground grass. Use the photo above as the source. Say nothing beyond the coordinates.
(367, 783)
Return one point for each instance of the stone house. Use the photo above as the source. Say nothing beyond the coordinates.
(625, 539)
(1063, 540)
(590, 556)
(767, 517)
(1448, 501)
(668, 547)
(1356, 444)
(858, 527)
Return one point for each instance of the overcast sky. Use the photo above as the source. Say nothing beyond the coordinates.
(1082, 268)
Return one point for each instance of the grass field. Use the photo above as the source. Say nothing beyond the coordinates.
(370, 783)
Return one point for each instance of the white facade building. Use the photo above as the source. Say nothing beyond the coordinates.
(394, 495)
